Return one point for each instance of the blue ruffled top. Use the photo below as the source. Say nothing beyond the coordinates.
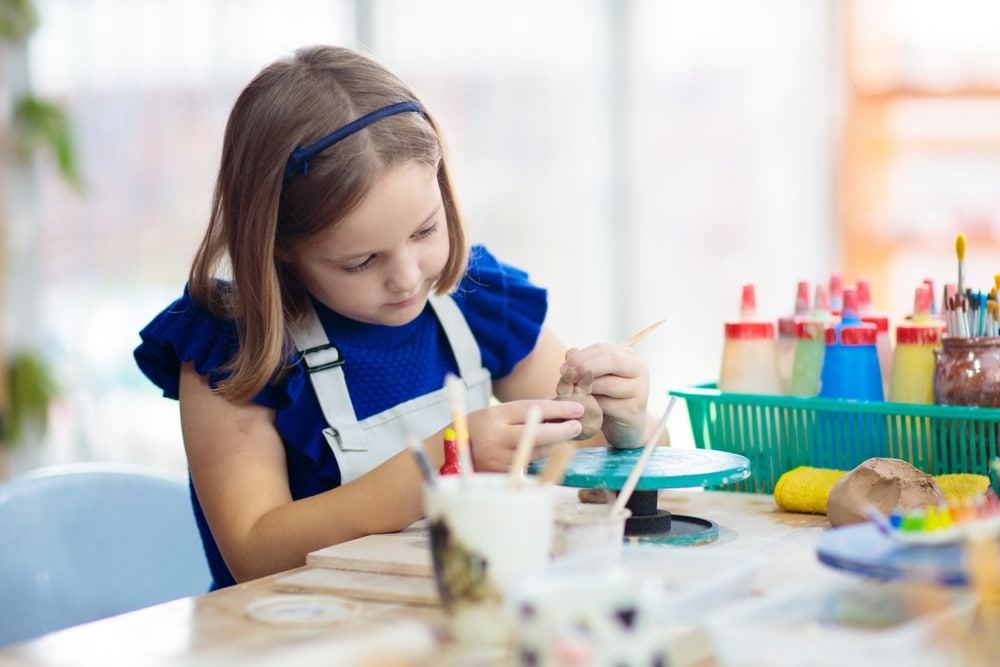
(384, 365)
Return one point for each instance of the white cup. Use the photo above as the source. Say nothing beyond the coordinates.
(593, 613)
(484, 537)
(582, 526)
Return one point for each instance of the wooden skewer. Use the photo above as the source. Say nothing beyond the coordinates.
(639, 335)
(640, 465)
(555, 468)
(524, 445)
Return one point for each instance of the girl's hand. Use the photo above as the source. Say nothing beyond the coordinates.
(621, 387)
(494, 431)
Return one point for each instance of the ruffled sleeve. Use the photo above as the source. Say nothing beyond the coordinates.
(182, 333)
(504, 309)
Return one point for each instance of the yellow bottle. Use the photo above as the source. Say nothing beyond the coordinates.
(912, 377)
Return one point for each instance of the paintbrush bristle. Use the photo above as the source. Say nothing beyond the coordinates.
(960, 246)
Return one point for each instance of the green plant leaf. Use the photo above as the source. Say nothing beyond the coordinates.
(38, 123)
(32, 389)
(18, 19)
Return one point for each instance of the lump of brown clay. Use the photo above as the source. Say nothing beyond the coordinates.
(581, 392)
(883, 483)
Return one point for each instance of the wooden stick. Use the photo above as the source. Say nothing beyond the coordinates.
(640, 465)
(639, 335)
(555, 468)
(524, 445)
(456, 393)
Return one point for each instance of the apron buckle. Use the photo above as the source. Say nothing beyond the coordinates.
(336, 442)
(324, 356)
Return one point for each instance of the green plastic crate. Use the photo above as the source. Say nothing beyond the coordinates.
(779, 433)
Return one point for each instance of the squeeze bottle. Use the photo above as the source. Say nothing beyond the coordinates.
(912, 379)
(883, 342)
(451, 465)
(836, 293)
(850, 358)
(749, 354)
(786, 334)
(810, 344)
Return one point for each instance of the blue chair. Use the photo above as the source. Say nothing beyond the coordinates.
(87, 541)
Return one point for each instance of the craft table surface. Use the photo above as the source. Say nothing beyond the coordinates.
(215, 628)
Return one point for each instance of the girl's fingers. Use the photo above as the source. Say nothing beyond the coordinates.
(552, 432)
(606, 362)
(552, 410)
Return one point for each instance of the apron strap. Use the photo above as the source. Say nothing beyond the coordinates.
(324, 365)
(456, 329)
(324, 362)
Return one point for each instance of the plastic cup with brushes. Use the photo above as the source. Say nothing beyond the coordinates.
(487, 531)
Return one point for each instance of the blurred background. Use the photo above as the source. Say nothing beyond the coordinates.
(640, 158)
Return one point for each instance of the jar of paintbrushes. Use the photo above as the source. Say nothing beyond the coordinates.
(967, 365)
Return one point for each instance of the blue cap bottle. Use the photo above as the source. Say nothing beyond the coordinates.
(850, 362)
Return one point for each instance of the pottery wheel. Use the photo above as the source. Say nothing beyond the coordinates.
(667, 468)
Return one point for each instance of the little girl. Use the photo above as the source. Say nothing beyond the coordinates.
(332, 294)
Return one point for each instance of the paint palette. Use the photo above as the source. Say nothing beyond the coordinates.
(943, 524)
(951, 535)
(865, 549)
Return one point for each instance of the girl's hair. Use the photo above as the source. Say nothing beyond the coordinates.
(295, 102)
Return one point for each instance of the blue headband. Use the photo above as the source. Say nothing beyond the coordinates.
(298, 163)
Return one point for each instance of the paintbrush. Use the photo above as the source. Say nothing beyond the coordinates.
(640, 465)
(416, 446)
(555, 467)
(880, 520)
(524, 445)
(639, 335)
(960, 253)
(456, 394)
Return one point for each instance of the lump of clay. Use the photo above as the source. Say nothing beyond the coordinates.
(593, 416)
(885, 484)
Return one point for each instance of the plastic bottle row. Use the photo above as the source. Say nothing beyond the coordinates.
(837, 348)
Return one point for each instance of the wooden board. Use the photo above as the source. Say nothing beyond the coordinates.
(407, 552)
(362, 585)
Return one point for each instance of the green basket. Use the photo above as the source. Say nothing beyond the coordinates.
(779, 433)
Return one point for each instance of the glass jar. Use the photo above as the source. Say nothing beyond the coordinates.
(967, 371)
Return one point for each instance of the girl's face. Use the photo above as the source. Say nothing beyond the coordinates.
(379, 263)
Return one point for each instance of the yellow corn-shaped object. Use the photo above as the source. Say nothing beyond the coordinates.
(962, 486)
(805, 489)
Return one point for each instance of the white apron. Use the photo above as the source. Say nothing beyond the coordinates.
(361, 446)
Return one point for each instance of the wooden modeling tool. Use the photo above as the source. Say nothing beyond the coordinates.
(523, 452)
(639, 335)
(633, 478)
(960, 253)
(456, 393)
(555, 469)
